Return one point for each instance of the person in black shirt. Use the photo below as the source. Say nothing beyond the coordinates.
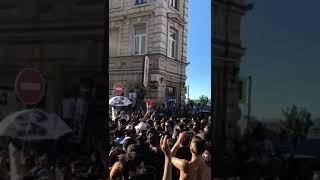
(154, 155)
(120, 131)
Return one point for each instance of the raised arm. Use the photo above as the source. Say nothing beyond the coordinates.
(146, 116)
(167, 170)
(182, 137)
(178, 163)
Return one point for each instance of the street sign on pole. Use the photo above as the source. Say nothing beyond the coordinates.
(118, 89)
(29, 86)
(145, 71)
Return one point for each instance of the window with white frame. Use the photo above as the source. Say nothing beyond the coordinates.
(174, 4)
(172, 44)
(139, 1)
(140, 40)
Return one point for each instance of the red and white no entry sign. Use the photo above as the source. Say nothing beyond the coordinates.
(29, 86)
(118, 89)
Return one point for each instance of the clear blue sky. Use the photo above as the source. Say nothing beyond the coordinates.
(283, 44)
(199, 48)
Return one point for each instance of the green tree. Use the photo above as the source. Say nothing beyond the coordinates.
(203, 100)
(296, 122)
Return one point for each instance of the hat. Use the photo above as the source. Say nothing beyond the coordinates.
(141, 126)
(118, 140)
(125, 139)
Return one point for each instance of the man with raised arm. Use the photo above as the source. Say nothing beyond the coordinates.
(196, 168)
(167, 169)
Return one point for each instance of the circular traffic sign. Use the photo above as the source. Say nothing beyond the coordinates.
(29, 86)
(118, 89)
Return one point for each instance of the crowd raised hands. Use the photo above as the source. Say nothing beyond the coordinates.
(195, 169)
(165, 147)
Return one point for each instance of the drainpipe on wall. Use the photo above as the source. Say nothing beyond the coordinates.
(182, 57)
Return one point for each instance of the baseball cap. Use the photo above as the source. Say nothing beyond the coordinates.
(141, 126)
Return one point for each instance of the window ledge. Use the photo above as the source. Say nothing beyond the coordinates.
(140, 4)
(174, 58)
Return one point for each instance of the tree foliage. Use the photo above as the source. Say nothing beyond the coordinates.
(296, 122)
(203, 100)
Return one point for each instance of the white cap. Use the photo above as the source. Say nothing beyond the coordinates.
(142, 126)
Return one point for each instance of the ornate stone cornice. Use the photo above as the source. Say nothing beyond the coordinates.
(177, 18)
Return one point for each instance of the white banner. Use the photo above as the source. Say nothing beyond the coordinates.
(146, 71)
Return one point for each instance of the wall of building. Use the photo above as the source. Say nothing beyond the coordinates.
(125, 66)
(60, 38)
(226, 65)
(155, 15)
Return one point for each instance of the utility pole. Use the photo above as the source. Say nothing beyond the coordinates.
(188, 92)
(249, 98)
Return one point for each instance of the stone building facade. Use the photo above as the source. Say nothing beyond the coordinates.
(157, 29)
(226, 66)
(62, 39)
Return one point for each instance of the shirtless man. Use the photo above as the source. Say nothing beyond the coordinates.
(207, 159)
(196, 168)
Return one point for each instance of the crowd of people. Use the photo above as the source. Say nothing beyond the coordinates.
(50, 161)
(160, 145)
